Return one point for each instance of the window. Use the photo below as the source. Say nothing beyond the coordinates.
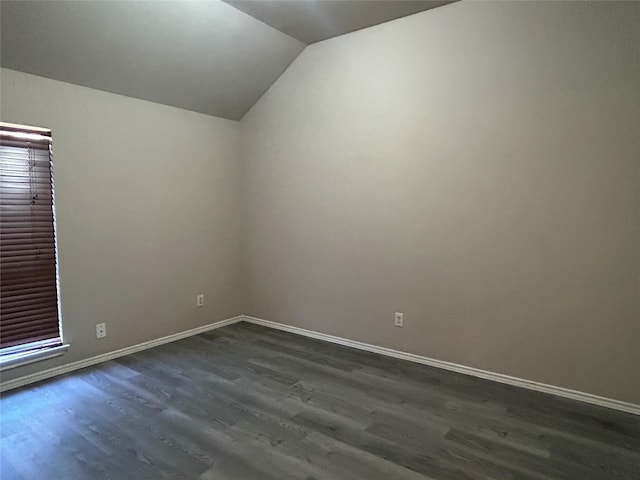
(29, 308)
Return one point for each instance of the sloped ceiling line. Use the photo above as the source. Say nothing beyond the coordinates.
(204, 56)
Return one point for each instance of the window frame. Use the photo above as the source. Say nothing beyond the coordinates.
(35, 351)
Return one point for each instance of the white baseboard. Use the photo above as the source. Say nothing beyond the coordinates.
(69, 367)
(454, 367)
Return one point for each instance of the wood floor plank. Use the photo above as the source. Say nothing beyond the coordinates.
(247, 402)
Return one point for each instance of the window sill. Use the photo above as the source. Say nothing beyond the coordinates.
(20, 359)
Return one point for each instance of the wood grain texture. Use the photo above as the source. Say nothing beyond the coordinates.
(247, 402)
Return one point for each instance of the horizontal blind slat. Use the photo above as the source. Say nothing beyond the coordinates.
(32, 314)
(27, 261)
(23, 280)
(17, 285)
(28, 337)
(13, 311)
(29, 330)
(26, 250)
(13, 297)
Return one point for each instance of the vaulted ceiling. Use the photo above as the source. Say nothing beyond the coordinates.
(311, 21)
(207, 56)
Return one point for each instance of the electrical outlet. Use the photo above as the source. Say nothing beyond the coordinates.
(200, 300)
(398, 320)
(101, 330)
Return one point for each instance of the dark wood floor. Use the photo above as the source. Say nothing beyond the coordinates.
(245, 402)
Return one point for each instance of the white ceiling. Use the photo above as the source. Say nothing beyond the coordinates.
(205, 56)
(198, 55)
(311, 21)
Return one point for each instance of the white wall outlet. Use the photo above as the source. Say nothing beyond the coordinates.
(398, 320)
(101, 330)
(200, 300)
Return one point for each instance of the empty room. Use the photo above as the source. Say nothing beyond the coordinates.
(314, 239)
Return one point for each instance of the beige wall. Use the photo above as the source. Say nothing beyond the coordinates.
(475, 167)
(147, 212)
